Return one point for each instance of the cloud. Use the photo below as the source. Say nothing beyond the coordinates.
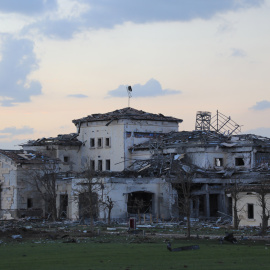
(261, 105)
(27, 7)
(77, 96)
(13, 131)
(63, 29)
(151, 89)
(238, 53)
(261, 131)
(11, 144)
(18, 61)
(107, 14)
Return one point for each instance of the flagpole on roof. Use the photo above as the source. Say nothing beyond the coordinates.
(129, 90)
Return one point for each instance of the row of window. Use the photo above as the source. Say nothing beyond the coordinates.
(219, 162)
(100, 165)
(99, 142)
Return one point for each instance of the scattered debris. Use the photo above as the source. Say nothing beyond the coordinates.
(18, 236)
(229, 237)
(192, 247)
(72, 240)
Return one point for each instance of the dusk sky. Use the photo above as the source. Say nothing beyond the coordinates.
(65, 59)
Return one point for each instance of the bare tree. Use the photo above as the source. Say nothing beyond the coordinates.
(44, 180)
(108, 204)
(235, 190)
(183, 185)
(87, 196)
(263, 191)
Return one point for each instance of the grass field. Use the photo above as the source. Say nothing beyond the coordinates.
(133, 253)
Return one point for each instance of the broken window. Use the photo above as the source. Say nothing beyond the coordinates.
(92, 165)
(250, 211)
(219, 162)
(239, 162)
(139, 202)
(29, 203)
(108, 165)
(66, 159)
(100, 165)
(92, 142)
(108, 142)
(99, 142)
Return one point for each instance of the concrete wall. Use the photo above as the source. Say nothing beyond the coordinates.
(246, 198)
(118, 189)
(67, 154)
(8, 180)
(205, 157)
(17, 190)
(122, 134)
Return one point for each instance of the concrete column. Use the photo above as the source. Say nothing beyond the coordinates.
(197, 206)
(207, 202)
(221, 202)
(191, 208)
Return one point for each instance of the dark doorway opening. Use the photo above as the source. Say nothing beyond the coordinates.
(140, 202)
(213, 205)
(63, 205)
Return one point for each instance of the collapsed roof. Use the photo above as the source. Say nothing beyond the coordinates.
(27, 157)
(196, 138)
(162, 160)
(126, 113)
(62, 139)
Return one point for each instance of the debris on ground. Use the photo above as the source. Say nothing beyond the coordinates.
(192, 247)
(229, 237)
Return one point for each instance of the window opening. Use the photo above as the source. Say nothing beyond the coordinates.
(92, 142)
(92, 165)
(239, 162)
(29, 202)
(219, 162)
(250, 211)
(99, 142)
(108, 165)
(107, 142)
(100, 165)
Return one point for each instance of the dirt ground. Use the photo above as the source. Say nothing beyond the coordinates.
(68, 231)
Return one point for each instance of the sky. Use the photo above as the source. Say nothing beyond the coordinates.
(65, 59)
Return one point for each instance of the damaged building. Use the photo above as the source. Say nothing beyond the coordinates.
(135, 155)
(19, 195)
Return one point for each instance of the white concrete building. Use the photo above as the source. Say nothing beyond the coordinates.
(102, 143)
(107, 138)
(132, 154)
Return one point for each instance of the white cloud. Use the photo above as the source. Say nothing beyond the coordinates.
(152, 88)
(261, 105)
(17, 62)
(13, 131)
(238, 52)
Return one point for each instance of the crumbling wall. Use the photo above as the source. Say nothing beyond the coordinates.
(64, 188)
(262, 159)
(29, 199)
(161, 191)
(68, 154)
(118, 189)
(9, 189)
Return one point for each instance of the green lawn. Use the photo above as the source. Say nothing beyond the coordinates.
(128, 256)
